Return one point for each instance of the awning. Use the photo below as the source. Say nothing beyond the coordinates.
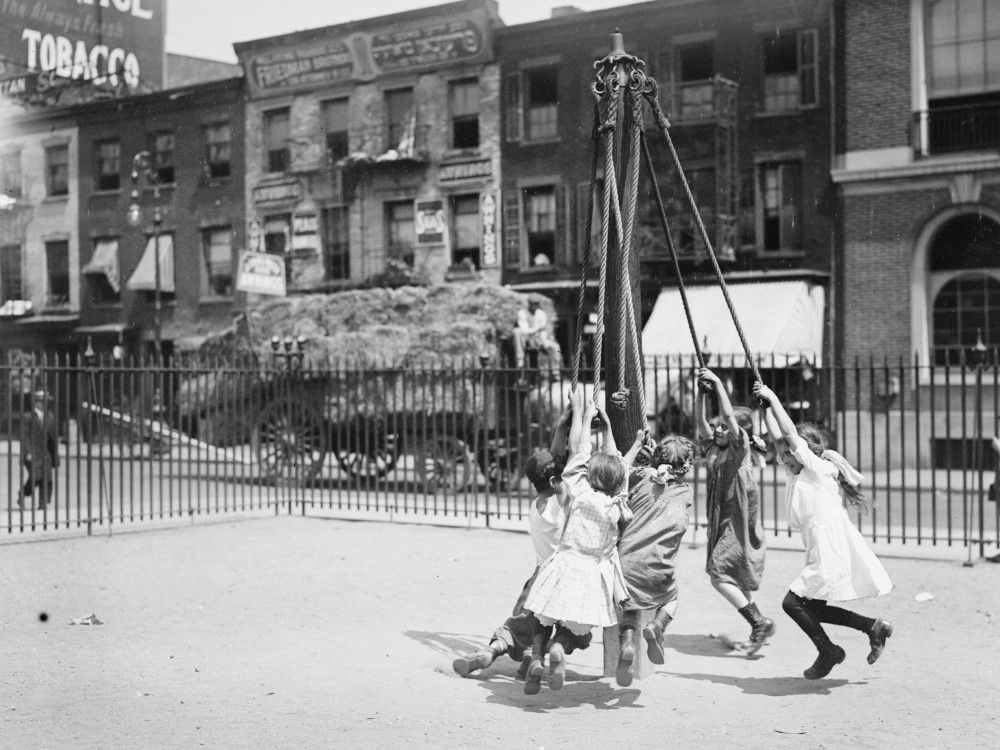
(104, 262)
(779, 318)
(143, 279)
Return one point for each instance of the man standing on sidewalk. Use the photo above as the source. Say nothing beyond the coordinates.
(39, 449)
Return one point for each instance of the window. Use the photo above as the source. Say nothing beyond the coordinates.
(400, 231)
(276, 136)
(335, 128)
(964, 278)
(399, 119)
(540, 224)
(695, 69)
(57, 266)
(217, 150)
(963, 47)
(10, 176)
(463, 98)
(217, 246)
(336, 243)
(790, 70)
(278, 234)
(10, 272)
(465, 232)
(108, 165)
(780, 213)
(102, 272)
(162, 147)
(543, 100)
(57, 170)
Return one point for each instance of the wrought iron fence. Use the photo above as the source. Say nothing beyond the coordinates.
(141, 441)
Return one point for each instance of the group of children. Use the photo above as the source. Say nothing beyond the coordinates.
(607, 528)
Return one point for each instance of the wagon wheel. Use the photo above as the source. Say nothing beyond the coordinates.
(444, 463)
(371, 461)
(292, 442)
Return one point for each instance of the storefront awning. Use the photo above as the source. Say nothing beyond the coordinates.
(143, 279)
(779, 318)
(104, 262)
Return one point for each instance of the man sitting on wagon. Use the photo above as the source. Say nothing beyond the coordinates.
(532, 334)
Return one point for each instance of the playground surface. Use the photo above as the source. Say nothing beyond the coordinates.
(291, 631)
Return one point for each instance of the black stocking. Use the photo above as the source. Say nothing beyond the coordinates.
(800, 610)
(838, 616)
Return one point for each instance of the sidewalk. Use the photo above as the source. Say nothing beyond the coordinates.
(308, 632)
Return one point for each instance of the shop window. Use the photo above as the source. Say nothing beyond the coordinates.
(276, 136)
(399, 119)
(400, 231)
(463, 98)
(694, 70)
(217, 150)
(542, 89)
(162, 148)
(217, 246)
(10, 272)
(336, 243)
(465, 230)
(780, 207)
(108, 165)
(335, 129)
(57, 170)
(790, 70)
(57, 268)
(10, 176)
(540, 225)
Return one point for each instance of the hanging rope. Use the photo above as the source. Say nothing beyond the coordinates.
(664, 125)
(595, 143)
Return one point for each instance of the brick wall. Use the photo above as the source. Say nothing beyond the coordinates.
(877, 64)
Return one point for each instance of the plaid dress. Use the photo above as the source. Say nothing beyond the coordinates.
(582, 582)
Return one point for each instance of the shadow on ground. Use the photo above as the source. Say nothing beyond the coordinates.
(774, 687)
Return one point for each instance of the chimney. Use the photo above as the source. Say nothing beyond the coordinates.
(561, 11)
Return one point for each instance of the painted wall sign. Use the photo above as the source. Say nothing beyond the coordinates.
(305, 224)
(260, 273)
(488, 219)
(465, 170)
(277, 193)
(364, 56)
(429, 222)
(98, 42)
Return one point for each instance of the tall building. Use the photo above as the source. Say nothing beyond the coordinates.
(376, 141)
(746, 86)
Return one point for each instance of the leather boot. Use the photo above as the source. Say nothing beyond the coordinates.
(522, 670)
(761, 628)
(880, 631)
(469, 663)
(653, 633)
(830, 655)
(539, 643)
(626, 648)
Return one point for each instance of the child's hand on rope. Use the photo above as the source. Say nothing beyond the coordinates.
(763, 394)
(708, 381)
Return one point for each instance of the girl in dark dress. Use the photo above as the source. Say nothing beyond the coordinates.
(736, 545)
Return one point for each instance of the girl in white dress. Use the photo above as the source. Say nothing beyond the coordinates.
(840, 566)
(581, 585)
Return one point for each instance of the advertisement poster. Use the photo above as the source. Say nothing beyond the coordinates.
(429, 222)
(260, 273)
(53, 44)
(488, 219)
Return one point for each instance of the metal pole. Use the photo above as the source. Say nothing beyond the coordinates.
(157, 330)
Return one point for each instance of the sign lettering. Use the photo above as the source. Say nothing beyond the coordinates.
(488, 218)
(429, 222)
(283, 191)
(466, 170)
(260, 273)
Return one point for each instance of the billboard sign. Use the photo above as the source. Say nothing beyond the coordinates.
(430, 222)
(260, 273)
(48, 44)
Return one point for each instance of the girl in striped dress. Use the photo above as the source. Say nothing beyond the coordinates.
(581, 584)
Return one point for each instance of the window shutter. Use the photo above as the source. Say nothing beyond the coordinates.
(563, 243)
(808, 68)
(512, 228)
(513, 108)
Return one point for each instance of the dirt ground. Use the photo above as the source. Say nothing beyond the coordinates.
(303, 632)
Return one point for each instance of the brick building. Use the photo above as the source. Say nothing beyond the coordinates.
(195, 138)
(376, 140)
(39, 234)
(746, 86)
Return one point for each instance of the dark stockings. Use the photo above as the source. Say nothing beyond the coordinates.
(809, 614)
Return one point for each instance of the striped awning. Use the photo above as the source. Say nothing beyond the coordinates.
(143, 279)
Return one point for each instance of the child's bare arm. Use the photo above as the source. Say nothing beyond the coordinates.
(701, 419)
(561, 435)
(771, 423)
(784, 422)
(576, 432)
(711, 380)
(608, 436)
(640, 440)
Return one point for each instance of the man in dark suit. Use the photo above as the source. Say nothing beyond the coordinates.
(39, 449)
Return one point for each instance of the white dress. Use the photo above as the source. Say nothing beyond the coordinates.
(582, 582)
(840, 566)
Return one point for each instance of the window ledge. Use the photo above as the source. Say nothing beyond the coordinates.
(99, 193)
(62, 198)
(215, 299)
(765, 115)
(107, 305)
(462, 153)
(780, 254)
(541, 141)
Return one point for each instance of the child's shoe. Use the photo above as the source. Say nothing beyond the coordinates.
(828, 658)
(626, 656)
(653, 633)
(761, 628)
(522, 670)
(469, 663)
(880, 631)
(557, 666)
(533, 680)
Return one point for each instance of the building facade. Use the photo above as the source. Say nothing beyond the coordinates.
(746, 86)
(194, 137)
(39, 233)
(376, 141)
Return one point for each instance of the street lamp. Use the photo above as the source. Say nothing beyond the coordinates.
(142, 166)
